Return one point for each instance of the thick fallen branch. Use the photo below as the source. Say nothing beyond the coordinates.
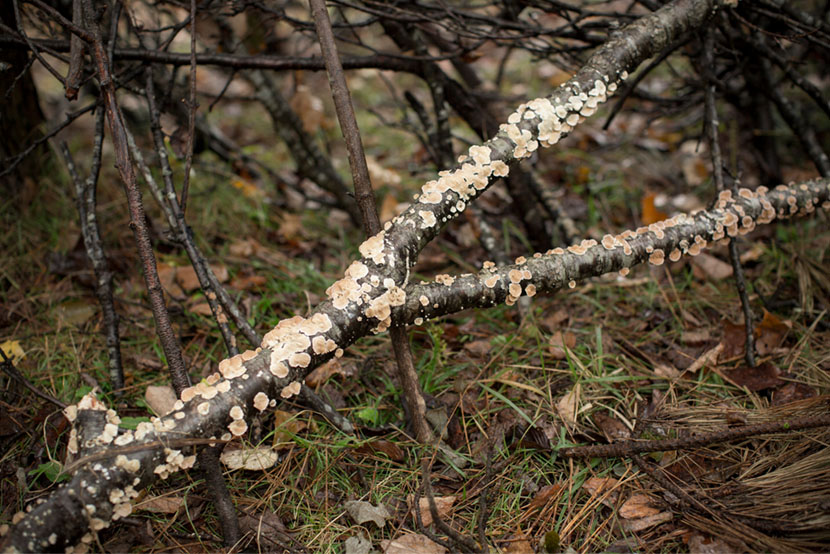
(376, 288)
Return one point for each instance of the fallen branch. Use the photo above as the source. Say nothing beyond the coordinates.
(376, 290)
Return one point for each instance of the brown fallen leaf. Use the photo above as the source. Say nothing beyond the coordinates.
(567, 406)
(380, 446)
(388, 208)
(650, 213)
(695, 338)
(734, 340)
(553, 321)
(763, 376)
(611, 427)
(545, 495)
(411, 544)
(286, 425)
(705, 544)
(634, 525)
(519, 544)
(443, 504)
(323, 373)
(161, 504)
(707, 266)
(770, 333)
(710, 357)
(600, 485)
(478, 348)
(558, 342)
(792, 392)
(201, 308)
(248, 282)
(186, 276)
(637, 506)
(267, 528)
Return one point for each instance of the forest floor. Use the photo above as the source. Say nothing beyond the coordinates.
(610, 359)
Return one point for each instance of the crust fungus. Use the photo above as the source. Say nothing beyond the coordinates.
(291, 389)
(657, 257)
(238, 427)
(230, 368)
(236, 412)
(373, 248)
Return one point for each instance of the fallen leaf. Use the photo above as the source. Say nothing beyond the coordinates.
(763, 376)
(75, 312)
(545, 495)
(554, 321)
(248, 282)
(309, 107)
(412, 544)
(558, 342)
(599, 485)
(567, 405)
(161, 504)
(358, 544)
(14, 352)
(650, 213)
(695, 338)
(666, 370)
(291, 228)
(201, 308)
(770, 333)
(286, 425)
(443, 504)
(167, 276)
(478, 348)
(388, 208)
(792, 392)
(390, 449)
(160, 399)
(637, 506)
(519, 544)
(244, 248)
(322, 373)
(267, 528)
(704, 544)
(734, 340)
(381, 176)
(634, 525)
(706, 265)
(362, 511)
(611, 427)
(247, 188)
(258, 458)
(187, 279)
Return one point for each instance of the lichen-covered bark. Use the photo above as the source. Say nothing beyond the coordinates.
(116, 463)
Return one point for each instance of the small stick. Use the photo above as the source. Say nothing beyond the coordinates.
(629, 447)
(717, 174)
(368, 208)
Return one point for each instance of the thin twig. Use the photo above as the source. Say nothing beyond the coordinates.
(717, 173)
(86, 201)
(627, 448)
(368, 208)
(191, 109)
(462, 543)
(14, 373)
